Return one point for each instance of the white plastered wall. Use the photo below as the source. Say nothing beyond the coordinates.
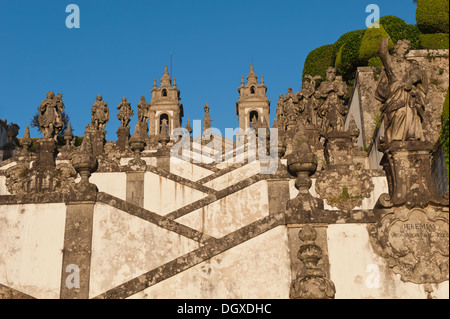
(162, 195)
(125, 246)
(235, 176)
(256, 269)
(31, 243)
(230, 213)
(359, 273)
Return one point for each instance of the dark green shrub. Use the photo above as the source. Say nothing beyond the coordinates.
(349, 56)
(434, 41)
(375, 61)
(318, 60)
(432, 16)
(399, 30)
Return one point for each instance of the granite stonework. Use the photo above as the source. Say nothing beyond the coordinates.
(355, 207)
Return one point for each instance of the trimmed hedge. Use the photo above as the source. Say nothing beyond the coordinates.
(343, 40)
(434, 41)
(370, 43)
(318, 60)
(399, 30)
(375, 61)
(432, 16)
(337, 63)
(444, 138)
(349, 61)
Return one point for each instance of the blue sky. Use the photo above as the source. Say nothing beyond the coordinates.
(121, 46)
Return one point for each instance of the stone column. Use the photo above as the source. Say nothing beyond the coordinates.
(77, 250)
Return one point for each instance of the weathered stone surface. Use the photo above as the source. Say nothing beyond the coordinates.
(414, 243)
(344, 182)
(77, 251)
(402, 88)
(50, 121)
(311, 283)
(408, 170)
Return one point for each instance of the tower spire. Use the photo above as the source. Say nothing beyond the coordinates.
(207, 120)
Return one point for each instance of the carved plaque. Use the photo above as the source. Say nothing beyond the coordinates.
(415, 244)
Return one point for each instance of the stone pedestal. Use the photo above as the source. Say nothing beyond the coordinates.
(163, 159)
(408, 170)
(46, 153)
(412, 229)
(123, 135)
(97, 141)
(338, 148)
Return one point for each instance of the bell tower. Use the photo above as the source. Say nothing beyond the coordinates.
(253, 101)
(165, 104)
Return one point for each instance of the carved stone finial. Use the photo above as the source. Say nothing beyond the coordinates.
(68, 135)
(166, 80)
(154, 84)
(137, 144)
(251, 77)
(25, 141)
(188, 127)
(302, 163)
(85, 163)
(311, 283)
(207, 120)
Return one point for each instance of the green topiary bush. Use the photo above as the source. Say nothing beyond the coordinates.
(444, 138)
(432, 16)
(399, 30)
(375, 61)
(434, 41)
(348, 60)
(370, 43)
(318, 60)
(338, 61)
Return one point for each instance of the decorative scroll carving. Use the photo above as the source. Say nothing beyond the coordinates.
(414, 243)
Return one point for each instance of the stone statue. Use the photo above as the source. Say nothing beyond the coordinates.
(330, 108)
(50, 121)
(125, 112)
(401, 88)
(280, 112)
(143, 109)
(100, 114)
(291, 109)
(305, 98)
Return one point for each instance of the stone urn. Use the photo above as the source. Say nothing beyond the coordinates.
(84, 163)
(302, 163)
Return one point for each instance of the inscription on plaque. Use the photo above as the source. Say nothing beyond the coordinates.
(415, 244)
